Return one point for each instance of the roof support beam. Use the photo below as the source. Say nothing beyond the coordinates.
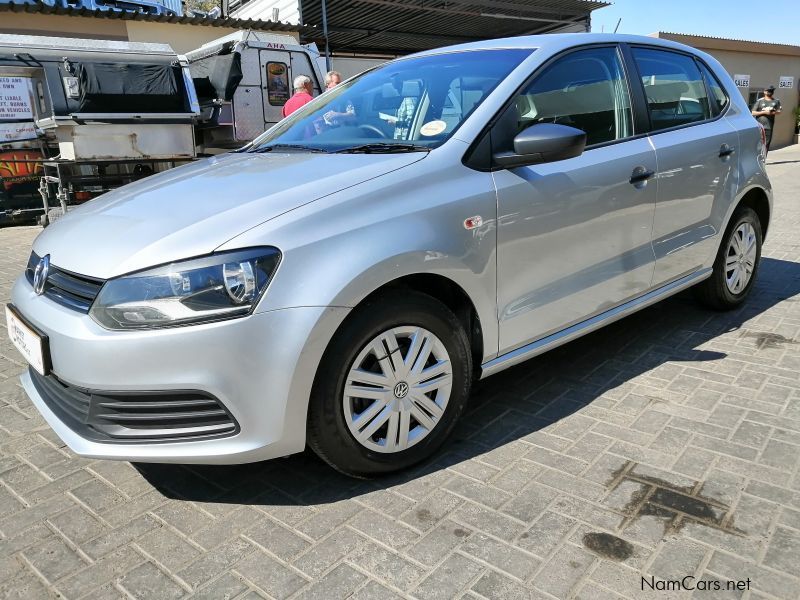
(524, 8)
(449, 11)
(406, 34)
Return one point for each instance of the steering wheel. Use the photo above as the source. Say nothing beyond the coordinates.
(373, 129)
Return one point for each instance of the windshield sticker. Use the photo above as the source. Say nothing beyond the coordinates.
(433, 128)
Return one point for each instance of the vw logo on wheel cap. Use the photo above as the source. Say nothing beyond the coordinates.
(40, 274)
(401, 390)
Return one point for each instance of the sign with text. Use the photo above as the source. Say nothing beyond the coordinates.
(15, 98)
(742, 81)
(786, 82)
(14, 132)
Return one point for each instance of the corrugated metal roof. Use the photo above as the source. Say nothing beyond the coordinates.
(410, 25)
(259, 25)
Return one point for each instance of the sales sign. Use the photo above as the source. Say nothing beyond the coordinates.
(15, 98)
(742, 81)
(786, 83)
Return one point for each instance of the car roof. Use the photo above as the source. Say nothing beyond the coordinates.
(557, 41)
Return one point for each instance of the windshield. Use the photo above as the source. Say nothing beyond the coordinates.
(412, 104)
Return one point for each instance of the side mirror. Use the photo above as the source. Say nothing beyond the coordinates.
(542, 143)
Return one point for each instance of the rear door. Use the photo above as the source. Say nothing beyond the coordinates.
(696, 151)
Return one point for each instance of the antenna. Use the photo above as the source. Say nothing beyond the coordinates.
(617, 27)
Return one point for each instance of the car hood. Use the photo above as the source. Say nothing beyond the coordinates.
(192, 210)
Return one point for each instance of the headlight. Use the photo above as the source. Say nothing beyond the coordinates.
(220, 286)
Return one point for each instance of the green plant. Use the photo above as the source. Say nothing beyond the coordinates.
(796, 113)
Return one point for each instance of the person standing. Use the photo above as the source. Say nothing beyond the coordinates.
(765, 109)
(303, 88)
(344, 112)
(332, 79)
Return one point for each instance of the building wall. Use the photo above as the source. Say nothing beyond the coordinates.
(63, 26)
(182, 37)
(765, 70)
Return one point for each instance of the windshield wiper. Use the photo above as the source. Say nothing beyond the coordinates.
(297, 147)
(382, 147)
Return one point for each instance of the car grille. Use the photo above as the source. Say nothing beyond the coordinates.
(67, 289)
(135, 416)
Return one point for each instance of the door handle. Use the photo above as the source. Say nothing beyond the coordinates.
(726, 150)
(641, 174)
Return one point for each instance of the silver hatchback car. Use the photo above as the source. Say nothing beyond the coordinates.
(343, 280)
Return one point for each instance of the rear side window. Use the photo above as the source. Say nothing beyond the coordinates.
(719, 99)
(675, 91)
(585, 89)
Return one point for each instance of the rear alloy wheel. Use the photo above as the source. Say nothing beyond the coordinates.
(740, 258)
(391, 385)
(736, 265)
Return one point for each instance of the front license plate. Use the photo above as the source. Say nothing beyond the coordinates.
(31, 344)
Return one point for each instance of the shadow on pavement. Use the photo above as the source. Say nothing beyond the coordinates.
(510, 405)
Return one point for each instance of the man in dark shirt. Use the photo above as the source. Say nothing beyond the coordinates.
(765, 109)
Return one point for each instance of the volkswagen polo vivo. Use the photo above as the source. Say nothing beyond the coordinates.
(342, 281)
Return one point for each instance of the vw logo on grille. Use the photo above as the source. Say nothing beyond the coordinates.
(401, 390)
(40, 274)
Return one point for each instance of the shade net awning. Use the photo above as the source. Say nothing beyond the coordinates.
(402, 26)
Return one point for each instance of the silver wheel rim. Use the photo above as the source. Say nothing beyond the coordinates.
(397, 389)
(740, 259)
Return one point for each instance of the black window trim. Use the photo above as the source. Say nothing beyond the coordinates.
(482, 161)
(695, 59)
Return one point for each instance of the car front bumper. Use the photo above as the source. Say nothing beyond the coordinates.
(260, 368)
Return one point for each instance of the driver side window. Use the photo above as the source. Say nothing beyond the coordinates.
(586, 89)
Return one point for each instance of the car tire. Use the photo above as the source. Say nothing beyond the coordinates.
(738, 254)
(413, 423)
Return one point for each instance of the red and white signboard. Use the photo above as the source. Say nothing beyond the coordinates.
(15, 98)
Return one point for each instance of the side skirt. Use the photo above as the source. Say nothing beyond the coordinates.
(567, 335)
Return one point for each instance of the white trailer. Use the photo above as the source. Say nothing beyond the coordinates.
(242, 82)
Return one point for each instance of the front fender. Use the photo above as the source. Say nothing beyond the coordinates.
(339, 249)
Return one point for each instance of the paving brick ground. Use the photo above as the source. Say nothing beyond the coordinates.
(664, 446)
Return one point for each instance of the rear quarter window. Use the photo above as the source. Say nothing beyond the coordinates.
(719, 98)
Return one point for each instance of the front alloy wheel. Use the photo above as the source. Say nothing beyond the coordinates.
(391, 385)
(397, 389)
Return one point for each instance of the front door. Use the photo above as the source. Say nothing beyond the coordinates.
(574, 236)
